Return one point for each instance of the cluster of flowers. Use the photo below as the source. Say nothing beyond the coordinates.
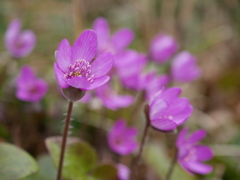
(94, 58)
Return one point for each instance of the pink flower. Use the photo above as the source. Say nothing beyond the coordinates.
(123, 172)
(191, 155)
(29, 87)
(162, 48)
(167, 110)
(155, 83)
(115, 44)
(111, 100)
(74, 65)
(18, 43)
(121, 139)
(184, 67)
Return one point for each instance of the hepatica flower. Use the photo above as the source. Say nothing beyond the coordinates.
(111, 100)
(184, 67)
(29, 87)
(162, 48)
(74, 67)
(123, 172)
(18, 43)
(191, 155)
(115, 43)
(167, 110)
(122, 139)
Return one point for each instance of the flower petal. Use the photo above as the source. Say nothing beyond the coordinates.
(102, 65)
(158, 108)
(85, 46)
(203, 153)
(64, 55)
(79, 82)
(97, 83)
(171, 94)
(181, 139)
(12, 33)
(101, 27)
(28, 40)
(122, 38)
(196, 136)
(123, 172)
(198, 167)
(60, 76)
(163, 124)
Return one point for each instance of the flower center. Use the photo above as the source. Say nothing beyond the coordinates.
(80, 68)
(191, 154)
(166, 117)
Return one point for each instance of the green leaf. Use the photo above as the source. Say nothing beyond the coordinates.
(156, 157)
(106, 171)
(80, 158)
(15, 163)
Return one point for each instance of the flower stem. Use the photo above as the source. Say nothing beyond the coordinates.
(145, 133)
(64, 139)
(170, 170)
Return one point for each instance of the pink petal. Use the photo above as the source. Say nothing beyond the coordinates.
(26, 75)
(85, 46)
(163, 124)
(123, 172)
(28, 39)
(12, 33)
(183, 116)
(196, 136)
(203, 153)
(171, 94)
(97, 83)
(122, 38)
(158, 108)
(181, 139)
(79, 82)
(64, 55)
(102, 65)
(60, 76)
(198, 167)
(101, 27)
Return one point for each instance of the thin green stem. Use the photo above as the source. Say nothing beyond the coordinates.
(64, 140)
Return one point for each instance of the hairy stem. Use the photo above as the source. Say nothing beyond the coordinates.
(170, 170)
(64, 140)
(145, 133)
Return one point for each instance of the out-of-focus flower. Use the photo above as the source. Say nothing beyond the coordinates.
(111, 100)
(184, 68)
(18, 43)
(162, 48)
(74, 67)
(167, 110)
(29, 87)
(122, 139)
(116, 43)
(155, 83)
(129, 65)
(123, 172)
(191, 155)
(87, 98)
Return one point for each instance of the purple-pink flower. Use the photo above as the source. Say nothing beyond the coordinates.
(121, 139)
(167, 110)
(184, 67)
(74, 65)
(123, 172)
(111, 100)
(191, 155)
(115, 43)
(162, 47)
(29, 87)
(155, 83)
(18, 43)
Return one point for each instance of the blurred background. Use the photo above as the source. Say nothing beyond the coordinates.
(210, 29)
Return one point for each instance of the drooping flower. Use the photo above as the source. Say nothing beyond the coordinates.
(129, 65)
(191, 155)
(74, 67)
(111, 100)
(122, 139)
(18, 43)
(184, 68)
(162, 48)
(167, 110)
(29, 87)
(123, 172)
(155, 83)
(115, 43)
